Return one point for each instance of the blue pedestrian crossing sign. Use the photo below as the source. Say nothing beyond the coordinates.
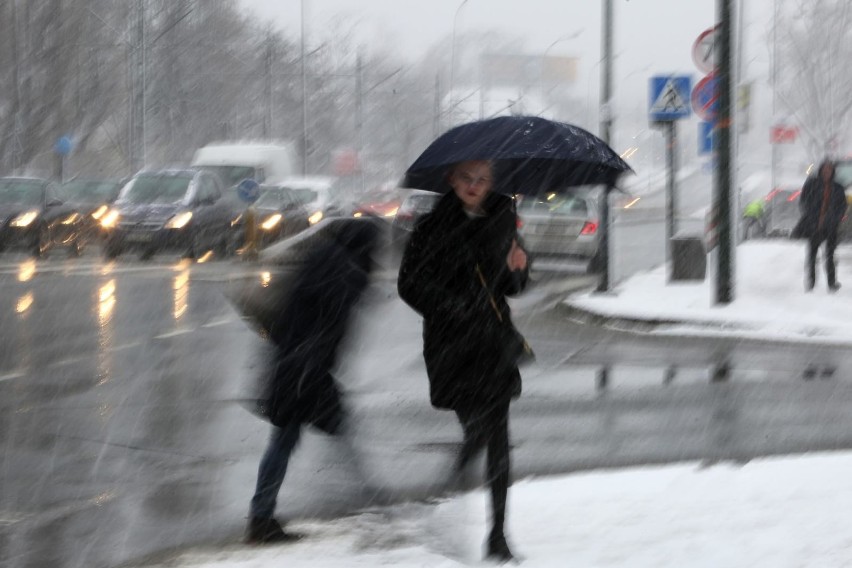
(669, 97)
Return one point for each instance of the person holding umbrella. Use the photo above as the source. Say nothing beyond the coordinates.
(461, 262)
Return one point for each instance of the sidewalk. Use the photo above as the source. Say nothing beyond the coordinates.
(769, 299)
(775, 512)
(772, 513)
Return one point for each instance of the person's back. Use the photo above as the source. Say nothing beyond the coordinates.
(306, 334)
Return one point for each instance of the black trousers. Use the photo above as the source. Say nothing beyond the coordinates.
(487, 427)
(830, 238)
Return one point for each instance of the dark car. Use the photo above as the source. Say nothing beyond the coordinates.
(34, 216)
(843, 175)
(92, 198)
(561, 229)
(416, 204)
(176, 210)
(781, 211)
(280, 214)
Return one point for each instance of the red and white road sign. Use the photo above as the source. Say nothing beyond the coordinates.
(780, 134)
(704, 50)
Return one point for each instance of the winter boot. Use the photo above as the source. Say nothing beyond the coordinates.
(267, 531)
(497, 549)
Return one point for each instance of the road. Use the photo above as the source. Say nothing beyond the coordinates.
(123, 434)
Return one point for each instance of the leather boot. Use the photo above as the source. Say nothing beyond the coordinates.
(266, 531)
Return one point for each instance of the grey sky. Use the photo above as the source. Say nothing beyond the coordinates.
(652, 37)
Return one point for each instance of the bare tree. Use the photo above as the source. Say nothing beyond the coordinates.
(814, 77)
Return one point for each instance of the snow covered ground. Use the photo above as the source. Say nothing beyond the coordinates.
(779, 512)
(769, 298)
(774, 512)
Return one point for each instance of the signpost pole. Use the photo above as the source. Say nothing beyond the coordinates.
(671, 189)
(724, 293)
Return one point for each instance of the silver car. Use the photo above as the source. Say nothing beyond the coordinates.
(562, 229)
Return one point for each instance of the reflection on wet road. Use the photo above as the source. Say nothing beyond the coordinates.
(122, 431)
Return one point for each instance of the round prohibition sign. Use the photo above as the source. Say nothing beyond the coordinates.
(704, 50)
(705, 98)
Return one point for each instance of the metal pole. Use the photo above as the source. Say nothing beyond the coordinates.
(671, 190)
(724, 293)
(304, 96)
(605, 123)
(773, 146)
(453, 59)
(606, 74)
(267, 122)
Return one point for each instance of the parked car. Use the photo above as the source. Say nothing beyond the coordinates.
(181, 210)
(562, 227)
(314, 192)
(781, 212)
(34, 216)
(843, 174)
(382, 202)
(92, 199)
(416, 204)
(279, 212)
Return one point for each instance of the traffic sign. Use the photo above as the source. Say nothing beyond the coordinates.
(705, 138)
(668, 97)
(705, 98)
(704, 50)
(63, 146)
(248, 190)
(781, 134)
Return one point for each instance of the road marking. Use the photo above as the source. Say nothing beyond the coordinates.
(180, 331)
(217, 323)
(17, 374)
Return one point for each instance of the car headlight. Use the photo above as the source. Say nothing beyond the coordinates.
(99, 212)
(179, 221)
(110, 220)
(271, 222)
(391, 212)
(24, 219)
(72, 218)
(315, 218)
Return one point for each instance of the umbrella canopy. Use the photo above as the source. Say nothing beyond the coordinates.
(531, 155)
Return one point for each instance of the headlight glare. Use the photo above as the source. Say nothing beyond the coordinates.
(271, 222)
(24, 219)
(99, 212)
(315, 218)
(110, 220)
(179, 221)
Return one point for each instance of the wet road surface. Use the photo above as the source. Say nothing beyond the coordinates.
(122, 433)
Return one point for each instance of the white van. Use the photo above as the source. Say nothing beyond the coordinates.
(234, 162)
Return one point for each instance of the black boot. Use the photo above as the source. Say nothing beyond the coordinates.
(266, 531)
(497, 549)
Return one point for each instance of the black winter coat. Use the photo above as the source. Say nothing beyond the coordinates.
(310, 328)
(810, 205)
(438, 278)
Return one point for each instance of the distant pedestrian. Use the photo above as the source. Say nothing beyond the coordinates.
(461, 262)
(823, 205)
(306, 334)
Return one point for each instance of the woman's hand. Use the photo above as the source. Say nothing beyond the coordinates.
(517, 258)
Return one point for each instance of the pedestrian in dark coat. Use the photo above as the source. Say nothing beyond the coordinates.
(823, 205)
(306, 335)
(461, 262)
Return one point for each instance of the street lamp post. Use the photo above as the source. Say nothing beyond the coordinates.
(453, 56)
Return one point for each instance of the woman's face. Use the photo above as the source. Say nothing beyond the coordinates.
(471, 182)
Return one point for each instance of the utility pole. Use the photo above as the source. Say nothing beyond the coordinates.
(724, 291)
(137, 119)
(605, 111)
(436, 118)
(267, 120)
(304, 97)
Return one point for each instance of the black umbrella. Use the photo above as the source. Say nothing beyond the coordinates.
(531, 155)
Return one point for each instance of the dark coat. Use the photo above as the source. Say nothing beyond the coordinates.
(311, 326)
(461, 331)
(810, 204)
